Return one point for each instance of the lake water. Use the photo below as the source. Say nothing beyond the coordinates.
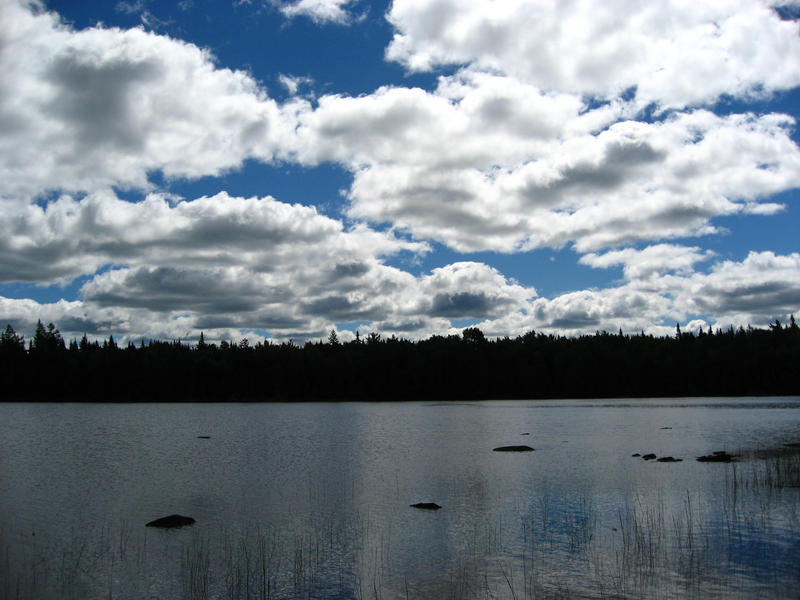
(311, 500)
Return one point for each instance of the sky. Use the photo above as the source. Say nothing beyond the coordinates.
(281, 168)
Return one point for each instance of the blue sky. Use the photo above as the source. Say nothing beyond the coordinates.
(283, 168)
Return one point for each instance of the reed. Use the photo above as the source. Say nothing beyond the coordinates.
(654, 545)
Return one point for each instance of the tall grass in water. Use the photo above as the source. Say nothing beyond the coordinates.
(742, 543)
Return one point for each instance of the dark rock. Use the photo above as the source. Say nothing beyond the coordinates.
(203, 437)
(171, 521)
(666, 428)
(649, 456)
(636, 455)
(669, 459)
(513, 449)
(426, 505)
(526, 433)
(719, 456)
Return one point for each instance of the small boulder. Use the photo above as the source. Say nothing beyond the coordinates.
(718, 456)
(426, 505)
(669, 459)
(636, 455)
(513, 449)
(171, 521)
(649, 456)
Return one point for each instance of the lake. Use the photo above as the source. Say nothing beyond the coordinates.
(312, 500)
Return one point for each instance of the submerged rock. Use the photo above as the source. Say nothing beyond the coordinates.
(426, 505)
(719, 456)
(513, 449)
(669, 459)
(649, 456)
(636, 455)
(203, 437)
(171, 522)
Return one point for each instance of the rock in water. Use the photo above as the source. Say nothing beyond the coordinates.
(171, 522)
(513, 449)
(719, 456)
(426, 505)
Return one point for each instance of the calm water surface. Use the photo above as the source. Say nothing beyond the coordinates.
(312, 500)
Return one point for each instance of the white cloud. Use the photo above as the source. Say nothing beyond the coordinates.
(170, 302)
(534, 142)
(674, 54)
(651, 261)
(433, 174)
(81, 110)
(68, 237)
(293, 83)
(484, 162)
(757, 290)
(319, 11)
(469, 289)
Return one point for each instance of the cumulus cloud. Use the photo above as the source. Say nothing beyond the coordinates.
(99, 107)
(169, 302)
(632, 181)
(655, 295)
(72, 237)
(319, 11)
(581, 124)
(755, 290)
(301, 300)
(764, 285)
(672, 54)
(653, 260)
(469, 289)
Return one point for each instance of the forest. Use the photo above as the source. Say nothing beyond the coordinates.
(734, 362)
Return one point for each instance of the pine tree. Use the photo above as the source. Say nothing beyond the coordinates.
(10, 341)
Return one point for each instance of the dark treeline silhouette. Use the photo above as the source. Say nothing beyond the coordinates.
(736, 362)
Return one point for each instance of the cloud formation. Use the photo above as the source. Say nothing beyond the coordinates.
(319, 11)
(83, 110)
(440, 166)
(592, 126)
(672, 54)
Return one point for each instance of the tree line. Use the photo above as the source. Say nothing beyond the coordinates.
(735, 362)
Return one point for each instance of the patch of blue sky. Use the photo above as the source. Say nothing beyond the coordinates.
(744, 233)
(552, 271)
(46, 294)
(462, 323)
(318, 186)
(340, 59)
(354, 326)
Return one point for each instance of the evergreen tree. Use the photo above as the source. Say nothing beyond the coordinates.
(10, 341)
(47, 340)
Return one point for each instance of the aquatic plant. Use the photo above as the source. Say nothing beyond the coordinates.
(656, 544)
